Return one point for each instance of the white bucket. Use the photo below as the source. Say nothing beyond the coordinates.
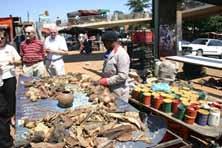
(1, 81)
(214, 117)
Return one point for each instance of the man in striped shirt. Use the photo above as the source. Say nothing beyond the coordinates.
(33, 54)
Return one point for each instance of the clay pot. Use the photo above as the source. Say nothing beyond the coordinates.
(64, 100)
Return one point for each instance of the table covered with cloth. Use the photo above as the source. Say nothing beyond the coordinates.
(37, 110)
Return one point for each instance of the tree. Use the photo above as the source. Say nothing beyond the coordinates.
(209, 24)
(138, 5)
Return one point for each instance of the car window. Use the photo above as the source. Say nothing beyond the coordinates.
(215, 43)
(219, 43)
(212, 43)
(200, 41)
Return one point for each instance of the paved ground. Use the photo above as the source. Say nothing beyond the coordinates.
(94, 61)
(89, 64)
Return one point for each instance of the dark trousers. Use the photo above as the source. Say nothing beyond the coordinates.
(7, 110)
(6, 140)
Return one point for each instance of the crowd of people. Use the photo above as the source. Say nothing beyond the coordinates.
(42, 58)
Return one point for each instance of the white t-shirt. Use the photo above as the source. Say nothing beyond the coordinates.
(59, 43)
(7, 54)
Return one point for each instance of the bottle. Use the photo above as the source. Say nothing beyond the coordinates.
(156, 68)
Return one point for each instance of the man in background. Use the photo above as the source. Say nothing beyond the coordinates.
(33, 54)
(56, 47)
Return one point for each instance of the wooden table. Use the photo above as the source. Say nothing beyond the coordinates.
(198, 60)
(184, 130)
(204, 62)
(37, 110)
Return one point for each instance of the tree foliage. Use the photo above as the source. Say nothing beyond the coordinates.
(210, 24)
(138, 5)
(214, 23)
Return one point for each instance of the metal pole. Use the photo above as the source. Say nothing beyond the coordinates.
(28, 16)
(155, 20)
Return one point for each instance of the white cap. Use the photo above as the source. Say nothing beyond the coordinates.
(53, 27)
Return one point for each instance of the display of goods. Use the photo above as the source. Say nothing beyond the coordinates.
(190, 111)
(136, 94)
(202, 117)
(53, 87)
(89, 126)
(156, 102)
(186, 104)
(147, 99)
(214, 117)
(181, 112)
(167, 105)
(212, 82)
(217, 105)
(65, 99)
(175, 105)
(189, 119)
(142, 37)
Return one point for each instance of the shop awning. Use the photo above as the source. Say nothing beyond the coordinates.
(77, 30)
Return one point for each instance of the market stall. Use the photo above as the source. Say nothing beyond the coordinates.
(39, 112)
(188, 112)
(198, 60)
(209, 83)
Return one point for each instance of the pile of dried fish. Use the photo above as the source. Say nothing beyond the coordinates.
(91, 126)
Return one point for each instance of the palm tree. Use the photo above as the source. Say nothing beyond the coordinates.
(138, 5)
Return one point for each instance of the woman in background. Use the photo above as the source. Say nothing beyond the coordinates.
(9, 57)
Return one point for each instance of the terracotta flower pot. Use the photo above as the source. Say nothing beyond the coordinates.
(65, 100)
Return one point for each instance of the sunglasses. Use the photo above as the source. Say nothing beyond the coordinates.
(27, 32)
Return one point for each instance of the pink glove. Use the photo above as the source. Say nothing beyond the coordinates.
(103, 82)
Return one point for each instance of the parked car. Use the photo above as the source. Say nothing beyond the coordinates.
(181, 43)
(204, 47)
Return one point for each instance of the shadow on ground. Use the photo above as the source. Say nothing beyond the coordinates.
(83, 57)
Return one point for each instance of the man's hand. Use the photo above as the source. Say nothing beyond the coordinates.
(14, 62)
(103, 81)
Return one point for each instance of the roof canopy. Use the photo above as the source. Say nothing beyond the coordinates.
(214, 2)
(77, 30)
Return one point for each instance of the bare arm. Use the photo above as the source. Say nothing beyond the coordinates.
(60, 52)
(15, 62)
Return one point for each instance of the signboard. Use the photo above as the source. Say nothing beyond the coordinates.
(8, 22)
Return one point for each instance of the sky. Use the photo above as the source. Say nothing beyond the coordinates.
(56, 8)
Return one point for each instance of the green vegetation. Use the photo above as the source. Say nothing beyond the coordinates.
(138, 5)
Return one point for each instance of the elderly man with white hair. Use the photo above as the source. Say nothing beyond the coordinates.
(56, 47)
(33, 54)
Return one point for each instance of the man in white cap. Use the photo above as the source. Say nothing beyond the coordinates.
(56, 47)
(33, 54)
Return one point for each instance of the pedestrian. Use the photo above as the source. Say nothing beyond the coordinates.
(9, 59)
(33, 54)
(45, 31)
(56, 47)
(116, 66)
